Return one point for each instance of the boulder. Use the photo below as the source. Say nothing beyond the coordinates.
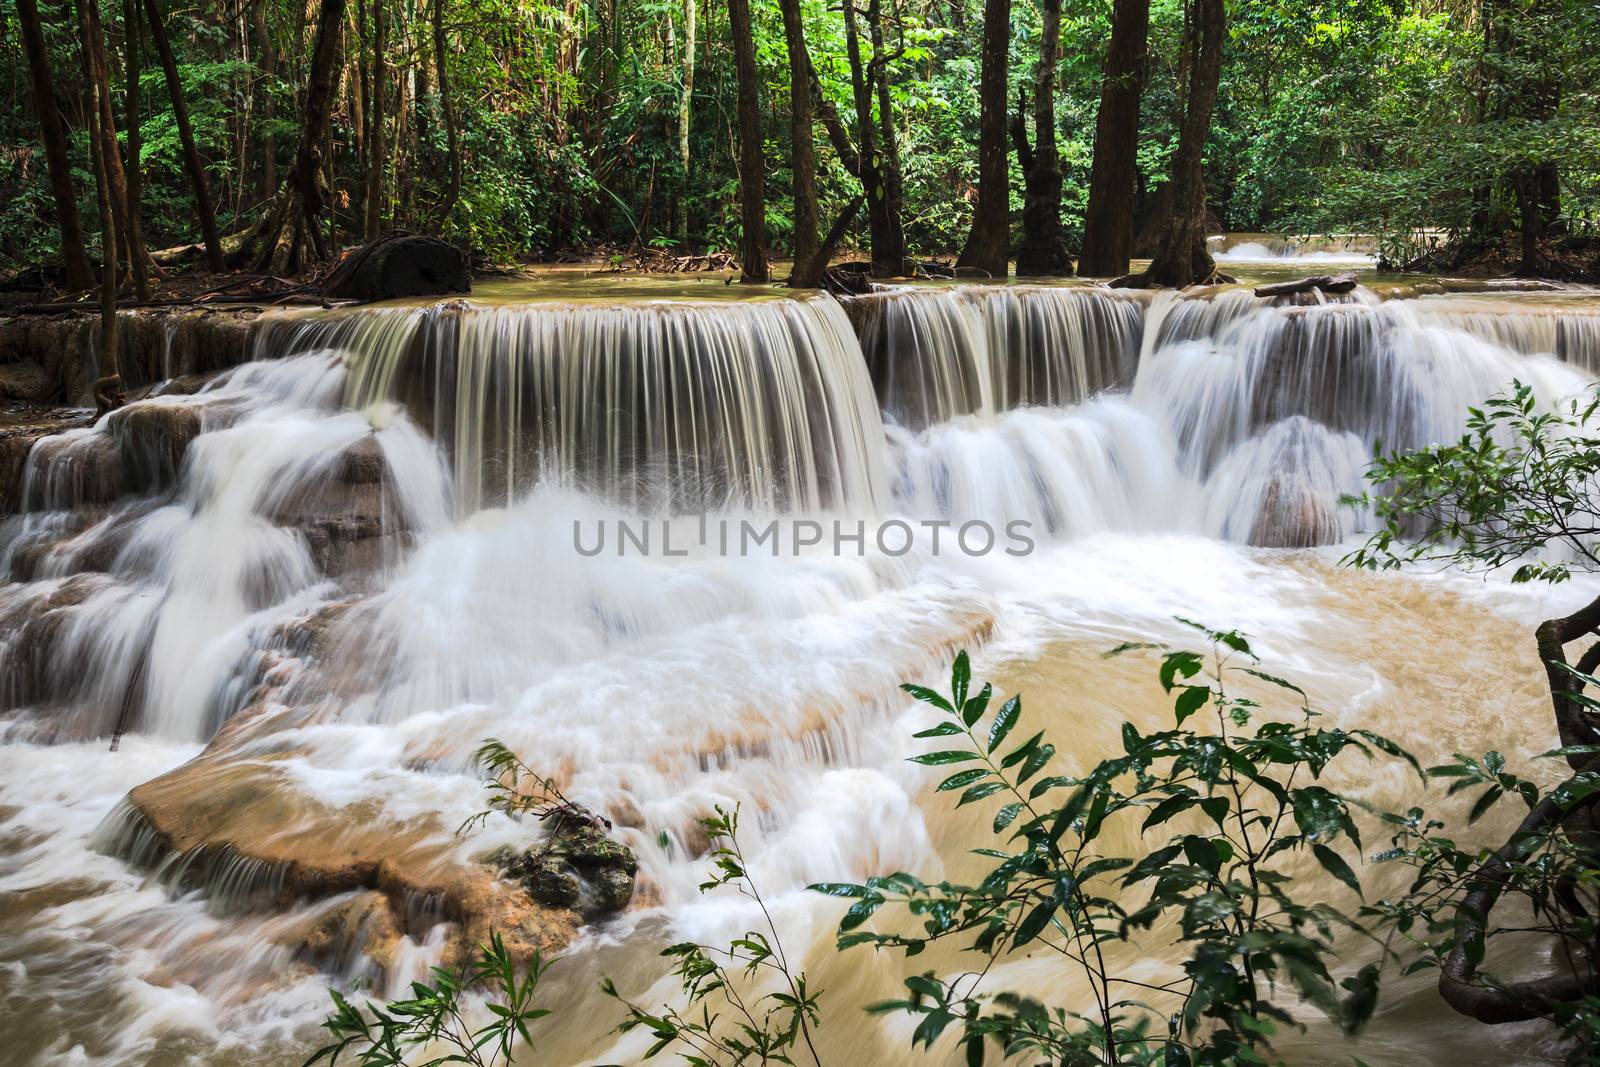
(400, 265)
(579, 867)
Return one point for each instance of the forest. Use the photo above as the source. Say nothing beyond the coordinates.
(264, 135)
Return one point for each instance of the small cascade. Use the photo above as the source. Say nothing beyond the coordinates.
(161, 538)
(937, 354)
(661, 405)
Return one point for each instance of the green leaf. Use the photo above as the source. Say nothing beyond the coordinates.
(928, 696)
(939, 759)
(1335, 865)
(978, 792)
(1004, 720)
(1007, 815)
(960, 677)
(963, 778)
(972, 710)
(1191, 700)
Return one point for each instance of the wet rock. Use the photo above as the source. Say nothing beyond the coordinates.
(153, 438)
(398, 266)
(579, 867)
(20, 426)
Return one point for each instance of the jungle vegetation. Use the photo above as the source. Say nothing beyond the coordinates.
(1062, 134)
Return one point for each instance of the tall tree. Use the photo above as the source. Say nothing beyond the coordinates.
(98, 78)
(198, 182)
(447, 111)
(375, 151)
(988, 243)
(808, 260)
(686, 102)
(752, 162)
(267, 175)
(886, 237)
(74, 259)
(1181, 257)
(888, 146)
(131, 48)
(1042, 251)
(1108, 222)
(300, 202)
(102, 148)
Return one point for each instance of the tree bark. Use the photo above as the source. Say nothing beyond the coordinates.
(808, 262)
(1042, 251)
(107, 383)
(131, 64)
(300, 203)
(375, 150)
(76, 271)
(686, 103)
(447, 111)
(752, 163)
(987, 247)
(894, 235)
(1181, 258)
(1108, 222)
(192, 163)
(267, 183)
(868, 163)
(98, 78)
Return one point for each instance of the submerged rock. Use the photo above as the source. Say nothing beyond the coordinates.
(578, 867)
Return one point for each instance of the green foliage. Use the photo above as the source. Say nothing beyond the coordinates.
(433, 1017)
(736, 1024)
(514, 788)
(1544, 884)
(1237, 790)
(1519, 487)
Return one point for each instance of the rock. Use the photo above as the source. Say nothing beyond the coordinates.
(154, 436)
(1327, 283)
(401, 265)
(579, 867)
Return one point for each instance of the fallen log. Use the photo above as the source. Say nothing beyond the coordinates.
(1327, 283)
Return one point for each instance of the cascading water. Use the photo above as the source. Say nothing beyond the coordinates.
(347, 567)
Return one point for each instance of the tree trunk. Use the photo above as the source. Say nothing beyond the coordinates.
(686, 102)
(107, 381)
(988, 243)
(808, 264)
(868, 163)
(375, 150)
(74, 260)
(98, 79)
(1113, 178)
(299, 204)
(191, 151)
(1181, 258)
(894, 236)
(131, 62)
(752, 162)
(267, 183)
(1042, 251)
(448, 112)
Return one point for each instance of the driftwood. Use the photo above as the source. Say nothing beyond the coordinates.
(1327, 283)
(648, 259)
(1519, 1001)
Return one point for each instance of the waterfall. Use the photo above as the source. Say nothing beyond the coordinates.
(347, 563)
(941, 353)
(661, 405)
